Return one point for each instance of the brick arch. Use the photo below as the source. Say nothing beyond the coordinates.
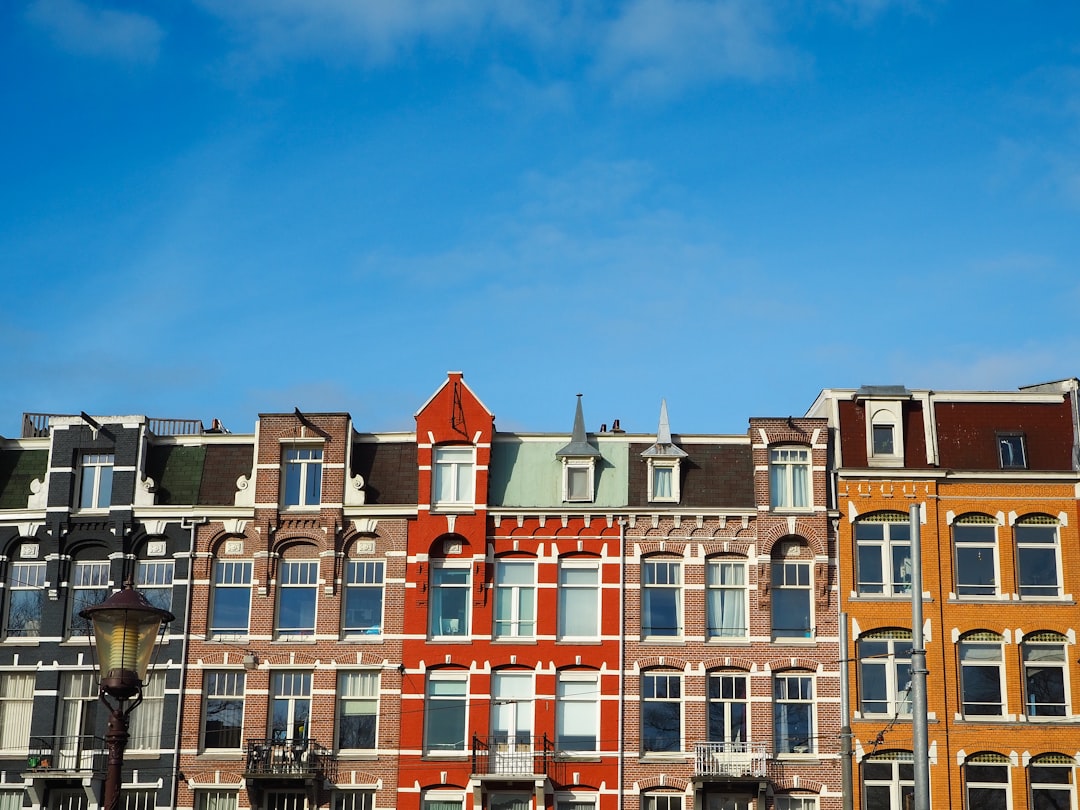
(803, 531)
(670, 783)
(365, 778)
(782, 664)
(733, 550)
(668, 662)
(675, 548)
(776, 434)
(727, 662)
(788, 784)
(435, 547)
(282, 545)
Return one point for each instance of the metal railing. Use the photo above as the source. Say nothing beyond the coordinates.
(730, 759)
(297, 758)
(514, 754)
(36, 425)
(66, 754)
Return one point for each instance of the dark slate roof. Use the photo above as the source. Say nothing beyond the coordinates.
(718, 476)
(17, 469)
(579, 446)
(224, 463)
(177, 472)
(389, 470)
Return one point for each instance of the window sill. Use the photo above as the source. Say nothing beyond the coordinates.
(672, 640)
(453, 509)
(504, 640)
(663, 756)
(450, 640)
(358, 756)
(22, 641)
(300, 509)
(795, 641)
(585, 756)
(728, 641)
(287, 639)
(594, 642)
(444, 756)
(220, 753)
(362, 639)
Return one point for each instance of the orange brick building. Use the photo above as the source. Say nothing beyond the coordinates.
(994, 475)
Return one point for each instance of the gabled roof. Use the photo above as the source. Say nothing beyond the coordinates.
(664, 446)
(579, 446)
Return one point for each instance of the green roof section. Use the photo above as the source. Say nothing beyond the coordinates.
(177, 472)
(17, 469)
(525, 473)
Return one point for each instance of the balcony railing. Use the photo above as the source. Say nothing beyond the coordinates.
(296, 758)
(730, 760)
(36, 425)
(513, 755)
(66, 754)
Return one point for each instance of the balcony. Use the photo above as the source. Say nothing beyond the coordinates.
(298, 759)
(64, 757)
(512, 757)
(730, 760)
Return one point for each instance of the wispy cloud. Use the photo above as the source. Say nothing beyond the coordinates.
(98, 32)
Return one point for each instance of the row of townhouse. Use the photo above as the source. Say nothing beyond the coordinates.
(460, 618)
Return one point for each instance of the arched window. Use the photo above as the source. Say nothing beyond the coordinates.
(975, 547)
(792, 590)
(986, 782)
(1038, 557)
(883, 554)
(889, 780)
(1052, 781)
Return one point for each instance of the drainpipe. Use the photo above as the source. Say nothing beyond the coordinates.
(622, 655)
(191, 525)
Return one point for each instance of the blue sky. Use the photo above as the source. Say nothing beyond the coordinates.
(218, 208)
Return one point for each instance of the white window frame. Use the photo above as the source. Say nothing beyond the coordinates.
(227, 687)
(661, 577)
(295, 579)
(726, 578)
(671, 467)
(974, 653)
(662, 689)
(512, 721)
(1012, 451)
(361, 577)
(147, 722)
(795, 576)
(1035, 534)
(1056, 762)
(16, 710)
(216, 799)
(440, 625)
(230, 575)
(458, 680)
(965, 541)
(136, 798)
(786, 492)
(454, 473)
(571, 469)
(442, 800)
(307, 463)
(884, 651)
(514, 608)
(90, 586)
(25, 578)
(728, 686)
(795, 802)
(95, 481)
(987, 761)
(901, 780)
(577, 699)
(292, 691)
(574, 595)
(662, 801)
(794, 689)
(11, 799)
(885, 416)
(882, 552)
(154, 580)
(1045, 652)
(360, 799)
(358, 691)
(575, 801)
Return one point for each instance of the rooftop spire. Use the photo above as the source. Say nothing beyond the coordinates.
(579, 441)
(664, 446)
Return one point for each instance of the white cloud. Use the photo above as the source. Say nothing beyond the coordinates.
(107, 33)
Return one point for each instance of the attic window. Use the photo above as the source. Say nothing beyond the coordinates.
(1011, 451)
(883, 440)
(664, 480)
(578, 480)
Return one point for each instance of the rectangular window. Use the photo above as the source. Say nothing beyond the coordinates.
(976, 558)
(579, 600)
(885, 673)
(303, 476)
(661, 712)
(96, 480)
(1044, 675)
(515, 599)
(728, 707)
(889, 781)
(442, 800)
(154, 579)
(11, 799)
(986, 782)
(791, 600)
(883, 551)
(147, 722)
(16, 709)
(981, 676)
(290, 706)
(454, 476)
(358, 703)
(298, 585)
(1011, 451)
(512, 722)
(664, 480)
(793, 714)
(1052, 782)
(795, 803)
(364, 597)
(232, 598)
(26, 594)
(89, 587)
(577, 712)
(449, 600)
(216, 799)
(789, 478)
(579, 482)
(138, 799)
(1038, 558)
(726, 599)
(223, 709)
(445, 712)
(661, 598)
(883, 440)
(354, 800)
(662, 801)
(78, 711)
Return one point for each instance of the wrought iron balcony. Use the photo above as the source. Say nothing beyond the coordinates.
(298, 758)
(65, 755)
(730, 760)
(514, 755)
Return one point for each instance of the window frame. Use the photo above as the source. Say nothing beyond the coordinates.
(781, 570)
(970, 643)
(893, 662)
(656, 594)
(439, 624)
(25, 578)
(16, 710)
(301, 476)
(361, 687)
(1033, 526)
(91, 577)
(786, 492)
(95, 484)
(716, 588)
(1052, 761)
(662, 697)
(216, 799)
(514, 603)
(1012, 450)
(226, 687)
(573, 596)
(455, 465)
(148, 721)
(881, 553)
(572, 490)
(219, 588)
(456, 702)
(363, 576)
(662, 800)
(154, 580)
(964, 548)
(803, 701)
(986, 761)
(1045, 642)
(717, 695)
(574, 703)
(356, 799)
(297, 580)
(900, 782)
(291, 693)
(671, 466)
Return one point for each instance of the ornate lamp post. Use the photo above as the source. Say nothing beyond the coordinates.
(126, 628)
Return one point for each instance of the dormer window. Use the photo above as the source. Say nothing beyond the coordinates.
(302, 476)
(578, 463)
(95, 480)
(884, 406)
(664, 459)
(454, 476)
(883, 440)
(1011, 451)
(578, 480)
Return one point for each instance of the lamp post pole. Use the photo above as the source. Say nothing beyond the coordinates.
(126, 628)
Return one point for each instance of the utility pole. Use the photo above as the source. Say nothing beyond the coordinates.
(919, 719)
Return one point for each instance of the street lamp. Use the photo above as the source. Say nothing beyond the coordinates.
(126, 629)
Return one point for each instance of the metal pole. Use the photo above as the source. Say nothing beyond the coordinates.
(919, 720)
(116, 740)
(846, 776)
